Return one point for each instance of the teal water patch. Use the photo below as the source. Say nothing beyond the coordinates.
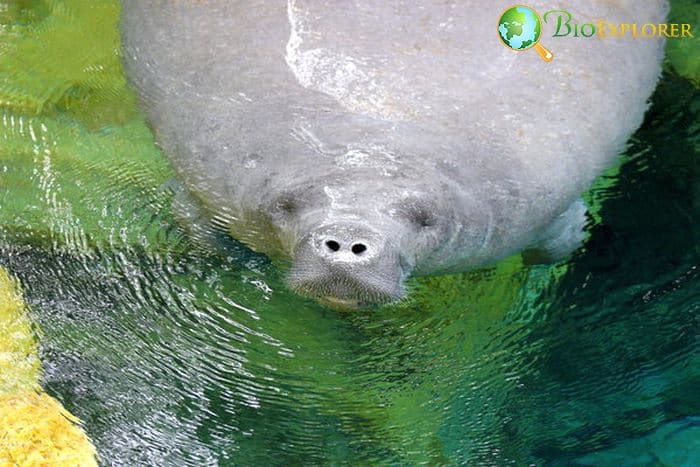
(675, 443)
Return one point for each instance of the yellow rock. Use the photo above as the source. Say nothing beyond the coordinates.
(35, 430)
(19, 362)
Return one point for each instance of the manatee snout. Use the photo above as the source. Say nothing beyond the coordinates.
(349, 264)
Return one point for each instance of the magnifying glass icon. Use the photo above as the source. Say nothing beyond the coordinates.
(520, 28)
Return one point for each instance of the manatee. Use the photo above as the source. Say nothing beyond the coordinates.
(367, 141)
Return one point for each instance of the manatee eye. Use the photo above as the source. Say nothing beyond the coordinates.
(286, 205)
(423, 218)
(291, 202)
(420, 213)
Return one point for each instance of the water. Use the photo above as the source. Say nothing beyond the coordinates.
(172, 355)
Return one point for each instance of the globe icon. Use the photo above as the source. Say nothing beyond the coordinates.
(519, 27)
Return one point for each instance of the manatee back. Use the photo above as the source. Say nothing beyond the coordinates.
(300, 84)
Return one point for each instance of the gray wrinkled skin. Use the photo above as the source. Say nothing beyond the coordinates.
(404, 129)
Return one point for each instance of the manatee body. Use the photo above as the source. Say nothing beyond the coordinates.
(370, 140)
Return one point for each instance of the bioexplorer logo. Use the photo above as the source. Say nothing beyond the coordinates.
(520, 28)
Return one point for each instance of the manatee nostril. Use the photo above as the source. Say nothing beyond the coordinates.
(359, 248)
(333, 245)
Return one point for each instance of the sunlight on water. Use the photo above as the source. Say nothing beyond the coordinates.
(173, 355)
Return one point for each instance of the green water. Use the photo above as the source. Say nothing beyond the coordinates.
(173, 355)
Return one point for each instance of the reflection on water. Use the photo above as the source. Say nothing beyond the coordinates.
(173, 355)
